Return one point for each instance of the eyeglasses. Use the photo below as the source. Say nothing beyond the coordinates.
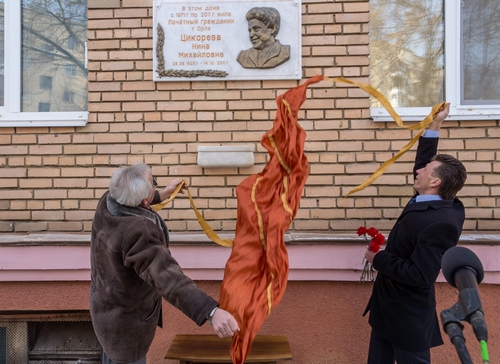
(154, 182)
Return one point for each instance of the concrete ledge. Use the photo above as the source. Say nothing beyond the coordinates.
(312, 256)
(103, 4)
(226, 156)
(199, 238)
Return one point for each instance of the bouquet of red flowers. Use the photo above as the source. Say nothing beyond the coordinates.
(377, 239)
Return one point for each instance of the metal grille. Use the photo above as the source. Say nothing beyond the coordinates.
(52, 341)
(3, 345)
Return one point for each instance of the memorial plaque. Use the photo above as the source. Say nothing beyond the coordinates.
(226, 40)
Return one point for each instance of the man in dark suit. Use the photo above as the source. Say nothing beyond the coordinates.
(403, 303)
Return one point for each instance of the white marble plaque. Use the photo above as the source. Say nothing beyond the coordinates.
(226, 40)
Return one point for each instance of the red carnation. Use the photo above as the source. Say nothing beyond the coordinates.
(374, 247)
(362, 230)
(372, 232)
(378, 239)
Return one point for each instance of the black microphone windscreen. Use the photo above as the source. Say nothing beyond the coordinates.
(460, 257)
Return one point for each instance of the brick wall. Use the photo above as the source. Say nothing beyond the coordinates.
(52, 177)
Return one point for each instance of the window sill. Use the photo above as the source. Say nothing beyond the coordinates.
(420, 113)
(39, 119)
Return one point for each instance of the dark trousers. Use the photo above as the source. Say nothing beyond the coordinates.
(107, 360)
(382, 351)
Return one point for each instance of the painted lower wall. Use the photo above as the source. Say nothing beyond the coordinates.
(323, 320)
(321, 312)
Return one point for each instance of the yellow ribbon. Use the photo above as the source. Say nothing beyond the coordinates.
(385, 103)
(209, 232)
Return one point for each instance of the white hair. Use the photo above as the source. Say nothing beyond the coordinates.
(130, 185)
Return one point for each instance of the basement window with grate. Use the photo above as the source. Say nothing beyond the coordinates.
(48, 341)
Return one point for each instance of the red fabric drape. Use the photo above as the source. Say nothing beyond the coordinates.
(256, 273)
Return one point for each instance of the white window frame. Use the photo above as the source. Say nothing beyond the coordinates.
(10, 113)
(453, 79)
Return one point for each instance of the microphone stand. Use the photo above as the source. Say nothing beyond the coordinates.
(453, 327)
(468, 308)
(463, 270)
(481, 331)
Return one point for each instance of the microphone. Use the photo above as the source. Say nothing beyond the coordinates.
(463, 270)
(453, 263)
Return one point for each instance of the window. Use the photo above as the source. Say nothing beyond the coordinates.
(3, 345)
(48, 340)
(41, 62)
(49, 51)
(72, 42)
(43, 107)
(46, 82)
(70, 70)
(68, 96)
(480, 67)
(418, 59)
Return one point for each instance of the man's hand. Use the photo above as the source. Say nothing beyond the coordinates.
(369, 255)
(224, 323)
(167, 191)
(439, 118)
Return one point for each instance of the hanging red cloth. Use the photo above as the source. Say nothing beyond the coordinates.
(256, 272)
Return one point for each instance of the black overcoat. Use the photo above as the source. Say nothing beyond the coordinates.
(403, 303)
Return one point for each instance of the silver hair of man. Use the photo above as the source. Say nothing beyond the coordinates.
(130, 185)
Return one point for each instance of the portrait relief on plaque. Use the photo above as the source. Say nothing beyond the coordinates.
(239, 40)
(266, 50)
